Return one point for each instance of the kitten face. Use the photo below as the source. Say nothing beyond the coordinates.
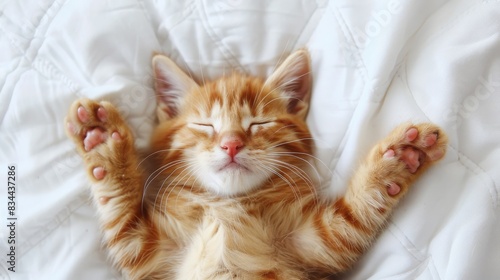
(235, 133)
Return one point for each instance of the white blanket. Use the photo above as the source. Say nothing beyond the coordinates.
(375, 64)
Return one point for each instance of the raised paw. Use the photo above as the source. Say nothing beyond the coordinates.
(100, 134)
(416, 146)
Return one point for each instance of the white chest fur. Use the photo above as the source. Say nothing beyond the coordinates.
(228, 240)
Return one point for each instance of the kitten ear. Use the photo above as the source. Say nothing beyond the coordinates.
(171, 84)
(293, 79)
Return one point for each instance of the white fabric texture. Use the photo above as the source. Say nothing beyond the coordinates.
(375, 64)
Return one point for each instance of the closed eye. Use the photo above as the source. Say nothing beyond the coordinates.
(260, 123)
(204, 124)
(256, 126)
(207, 128)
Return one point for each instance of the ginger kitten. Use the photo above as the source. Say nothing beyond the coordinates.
(229, 196)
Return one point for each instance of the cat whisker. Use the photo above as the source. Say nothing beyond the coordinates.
(165, 200)
(162, 168)
(191, 174)
(297, 171)
(316, 160)
(158, 171)
(161, 199)
(157, 152)
(176, 179)
(276, 171)
(288, 142)
(183, 167)
(314, 139)
(283, 127)
(280, 59)
(279, 98)
(149, 180)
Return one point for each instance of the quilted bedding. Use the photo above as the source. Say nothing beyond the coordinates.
(375, 64)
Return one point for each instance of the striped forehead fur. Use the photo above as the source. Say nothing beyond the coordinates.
(236, 91)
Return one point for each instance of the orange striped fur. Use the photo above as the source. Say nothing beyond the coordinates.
(232, 192)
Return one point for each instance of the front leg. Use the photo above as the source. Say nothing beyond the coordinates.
(105, 143)
(386, 175)
(390, 169)
(345, 228)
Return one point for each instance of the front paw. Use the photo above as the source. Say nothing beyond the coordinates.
(101, 136)
(413, 148)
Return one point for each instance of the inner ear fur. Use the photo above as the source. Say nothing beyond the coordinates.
(293, 79)
(171, 85)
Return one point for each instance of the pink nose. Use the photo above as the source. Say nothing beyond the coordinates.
(232, 144)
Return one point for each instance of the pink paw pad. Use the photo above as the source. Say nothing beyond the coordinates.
(103, 200)
(83, 115)
(411, 134)
(116, 136)
(389, 154)
(93, 138)
(393, 189)
(411, 157)
(430, 139)
(99, 173)
(102, 114)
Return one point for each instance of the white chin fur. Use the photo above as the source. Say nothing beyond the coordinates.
(229, 181)
(233, 182)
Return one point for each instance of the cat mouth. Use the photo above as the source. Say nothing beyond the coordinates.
(233, 166)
